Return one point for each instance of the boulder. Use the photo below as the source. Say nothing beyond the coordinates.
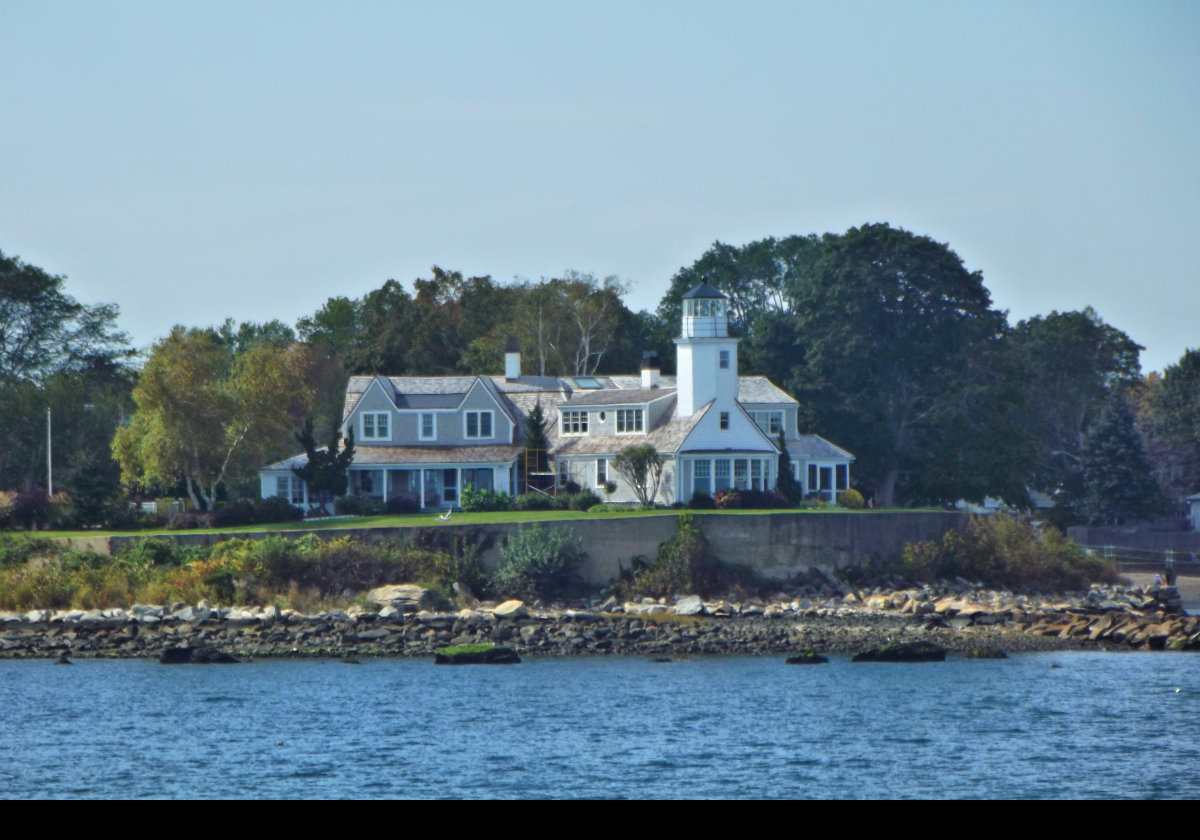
(485, 654)
(807, 657)
(195, 656)
(405, 597)
(689, 605)
(903, 652)
(511, 609)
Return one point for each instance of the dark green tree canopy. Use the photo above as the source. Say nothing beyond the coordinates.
(44, 330)
(1117, 476)
(326, 472)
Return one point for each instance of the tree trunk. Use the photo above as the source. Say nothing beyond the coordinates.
(885, 493)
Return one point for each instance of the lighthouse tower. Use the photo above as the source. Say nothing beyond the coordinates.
(706, 357)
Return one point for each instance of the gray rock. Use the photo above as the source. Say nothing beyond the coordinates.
(406, 597)
(511, 609)
(689, 605)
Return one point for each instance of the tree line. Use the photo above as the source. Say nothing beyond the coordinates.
(893, 348)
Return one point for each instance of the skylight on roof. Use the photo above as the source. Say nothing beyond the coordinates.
(585, 383)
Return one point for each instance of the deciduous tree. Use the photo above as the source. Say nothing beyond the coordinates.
(641, 465)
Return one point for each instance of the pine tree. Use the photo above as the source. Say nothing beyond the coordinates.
(786, 483)
(1117, 476)
(326, 471)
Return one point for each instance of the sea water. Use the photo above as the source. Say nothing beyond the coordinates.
(1036, 725)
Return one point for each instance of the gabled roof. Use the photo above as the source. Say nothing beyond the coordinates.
(667, 436)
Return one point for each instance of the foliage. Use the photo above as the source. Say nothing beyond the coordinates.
(641, 465)
(851, 499)
(44, 331)
(484, 500)
(1005, 551)
(1174, 426)
(533, 501)
(701, 501)
(206, 415)
(30, 507)
(900, 347)
(325, 471)
(787, 483)
(584, 500)
(685, 565)
(537, 562)
(1118, 481)
(358, 506)
(750, 500)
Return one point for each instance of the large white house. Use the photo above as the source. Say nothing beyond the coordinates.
(426, 438)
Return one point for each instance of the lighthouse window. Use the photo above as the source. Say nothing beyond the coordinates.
(724, 360)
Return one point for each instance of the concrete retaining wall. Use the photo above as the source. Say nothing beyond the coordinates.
(776, 545)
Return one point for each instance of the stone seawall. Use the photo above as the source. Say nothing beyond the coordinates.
(776, 545)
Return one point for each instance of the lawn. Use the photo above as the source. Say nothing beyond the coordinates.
(411, 520)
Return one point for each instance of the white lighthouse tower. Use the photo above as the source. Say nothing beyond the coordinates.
(706, 357)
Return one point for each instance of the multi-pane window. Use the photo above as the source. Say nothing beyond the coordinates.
(724, 360)
(629, 420)
(724, 420)
(601, 472)
(479, 425)
(722, 474)
(739, 473)
(770, 422)
(756, 474)
(701, 480)
(575, 422)
(376, 425)
(291, 488)
(427, 427)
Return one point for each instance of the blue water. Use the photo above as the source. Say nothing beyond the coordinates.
(1100, 725)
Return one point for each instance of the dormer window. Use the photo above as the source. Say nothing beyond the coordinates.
(478, 425)
(574, 422)
(376, 425)
(427, 427)
(630, 421)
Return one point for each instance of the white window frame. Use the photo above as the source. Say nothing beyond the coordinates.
(479, 425)
(574, 422)
(723, 421)
(627, 417)
(421, 425)
(601, 472)
(375, 435)
(763, 420)
(723, 359)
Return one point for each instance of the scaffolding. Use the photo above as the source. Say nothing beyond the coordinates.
(540, 475)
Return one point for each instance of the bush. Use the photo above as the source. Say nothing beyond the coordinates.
(750, 499)
(537, 562)
(484, 500)
(401, 505)
(30, 508)
(1005, 551)
(533, 501)
(189, 519)
(357, 506)
(851, 499)
(233, 514)
(701, 501)
(583, 501)
(276, 509)
(685, 564)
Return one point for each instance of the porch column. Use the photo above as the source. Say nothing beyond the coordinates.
(421, 501)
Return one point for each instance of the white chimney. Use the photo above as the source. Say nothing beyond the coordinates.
(650, 370)
(512, 358)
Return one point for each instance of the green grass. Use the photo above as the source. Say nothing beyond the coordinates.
(424, 520)
(461, 650)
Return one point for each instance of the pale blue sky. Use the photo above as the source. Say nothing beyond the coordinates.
(192, 161)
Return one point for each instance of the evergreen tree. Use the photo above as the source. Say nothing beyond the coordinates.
(537, 448)
(326, 471)
(1117, 476)
(786, 484)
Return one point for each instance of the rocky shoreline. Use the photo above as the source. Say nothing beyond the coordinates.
(959, 617)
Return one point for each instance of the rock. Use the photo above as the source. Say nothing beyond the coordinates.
(62, 659)
(405, 597)
(903, 652)
(195, 656)
(689, 605)
(807, 657)
(477, 655)
(985, 653)
(466, 596)
(511, 609)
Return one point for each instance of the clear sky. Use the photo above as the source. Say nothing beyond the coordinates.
(192, 161)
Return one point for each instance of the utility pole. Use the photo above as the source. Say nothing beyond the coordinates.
(49, 462)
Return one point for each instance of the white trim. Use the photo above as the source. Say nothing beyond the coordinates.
(375, 437)
(562, 422)
(421, 426)
(479, 424)
(641, 416)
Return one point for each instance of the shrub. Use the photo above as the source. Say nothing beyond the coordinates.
(232, 514)
(750, 499)
(685, 564)
(358, 506)
(537, 562)
(276, 509)
(701, 501)
(30, 508)
(189, 519)
(583, 501)
(533, 501)
(851, 499)
(402, 504)
(1005, 551)
(484, 500)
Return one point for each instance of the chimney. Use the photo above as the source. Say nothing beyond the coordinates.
(512, 359)
(650, 369)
